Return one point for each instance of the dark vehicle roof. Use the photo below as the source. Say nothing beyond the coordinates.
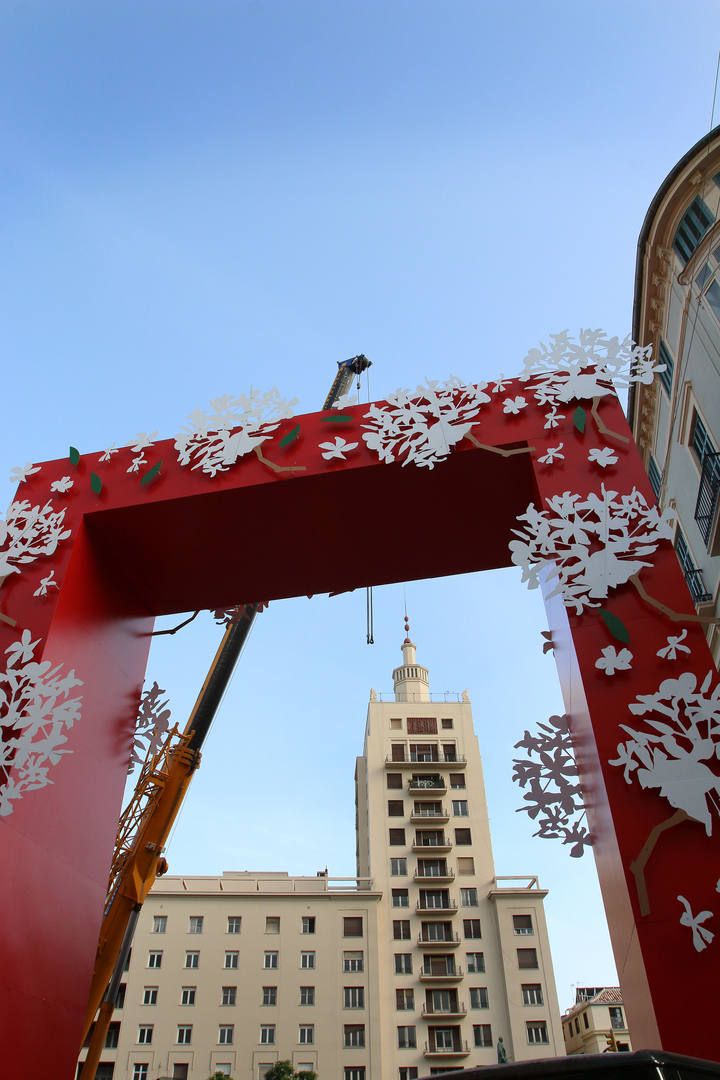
(594, 1065)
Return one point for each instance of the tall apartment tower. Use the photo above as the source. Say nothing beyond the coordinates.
(417, 965)
(465, 958)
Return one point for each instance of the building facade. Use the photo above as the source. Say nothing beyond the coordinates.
(676, 420)
(418, 965)
(596, 1023)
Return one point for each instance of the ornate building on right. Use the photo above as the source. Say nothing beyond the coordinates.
(676, 420)
(596, 1023)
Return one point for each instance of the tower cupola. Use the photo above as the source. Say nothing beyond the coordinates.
(411, 681)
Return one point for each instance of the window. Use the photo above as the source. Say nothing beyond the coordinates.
(272, 924)
(457, 781)
(150, 994)
(112, 1037)
(307, 960)
(120, 999)
(401, 929)
(353, 926)
(463, 836)
(306, 1034)
(532, 994)
(422, 725)
(475, 962)
(469, 897)
(655, 476)
(482, 1035)
(187, 995)
(354, 1072)
(192, 959)
(404, 999)
(398, 867)
(233, 924)
(479, 997)
(145, 1034)
(307, 995)
(403, 963)
(536, 1032)
(270, 960)
(154, 959)
(527, 958)
(225, 1034)
(666, 376)
(354, 1036)
(460, 808)
(396, 723)
(228, 995)
(447, 723)
(397, 837)
(394, 780)
(694, 223)
(140, 1071)
(352, 961)
(585, 1020)
(523, 924)
(305, 1066)
(184, 1034)
(616, 1017)
(269, 995)
(196, 924)
(471, 928)
(267, 1034)
(307, 925)
(397, 751)
(700, 442)
(353, 997)
(396, 808)
(159, 924)
(400, 898)
(406, 1038)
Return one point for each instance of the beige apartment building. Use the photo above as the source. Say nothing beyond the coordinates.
(417, 966)
(596, 1023)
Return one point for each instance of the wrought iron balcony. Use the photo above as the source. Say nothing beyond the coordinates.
(708, 498)
(441, 761)
(423, 785)
(696, 585)
(422, 817)
(440, 845)
(434, 875)
(445, 907)
(459, 1049)
(450, 942)
(431, 974)
(450, 1013)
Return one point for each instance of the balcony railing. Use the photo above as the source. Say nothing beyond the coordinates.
(432, 845)
(448, 907)
(421, 784)
(696, 585)
(412, 761)
(450, 942)
(435, 874)
(430, 1012)
(617, 1023)
(422, 816)
(708, 496)
(459, 1049)
(450, 974)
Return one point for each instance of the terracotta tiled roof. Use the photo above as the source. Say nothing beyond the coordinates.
(611, 995)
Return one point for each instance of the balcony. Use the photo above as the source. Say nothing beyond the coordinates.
(449, 908)
(696, 585)
(442, 761)
(457, 1012)
(422, 817)
(433, 846)
(435, 876)
(449, 975)
(460, 1049)
(426, 786)
(706, 508)
(450, 942)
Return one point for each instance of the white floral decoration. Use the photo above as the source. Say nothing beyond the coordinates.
(346, 401)
(678, 751)
(603, 456)
(514, 405)
(214, 441)
(553, 454)
(610, 660)
(151, 725)
(591, 544)
(553, 418)
(568, 369)
(62, 485)
(28, 533)
(20, 473)
(422, 428)
(136, 463)
(46, 583)
(500, 385)
(36, 710)
(337, 449)
(673, 647)
(108, 453)
(143, 441)
(701, 936)
(554, 795)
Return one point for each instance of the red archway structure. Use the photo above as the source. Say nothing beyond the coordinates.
(159, 540)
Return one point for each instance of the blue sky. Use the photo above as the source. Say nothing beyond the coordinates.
(198, 197)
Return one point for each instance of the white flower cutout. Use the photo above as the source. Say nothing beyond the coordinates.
(500, 386)
(673, 647)
(553, 418)
(21, 652)
(136, 463)
(514, 405)
(611, 661)
(46, 583)
(554, 453)
(20, 473)
(603, 456)
(107, 454)
(346, 401)
(701, 937)
(143, 441)
(62, 485)
(337, 449)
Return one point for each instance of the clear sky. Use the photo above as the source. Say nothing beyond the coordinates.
(200, 196)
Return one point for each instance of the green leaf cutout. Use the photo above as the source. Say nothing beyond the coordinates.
(151, 474)
(334, 419)
(579, 418)
(74, 455)
(96, 484)
(616, 627)
(290, 436)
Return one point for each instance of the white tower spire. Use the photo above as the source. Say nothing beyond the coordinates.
(411, 681)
